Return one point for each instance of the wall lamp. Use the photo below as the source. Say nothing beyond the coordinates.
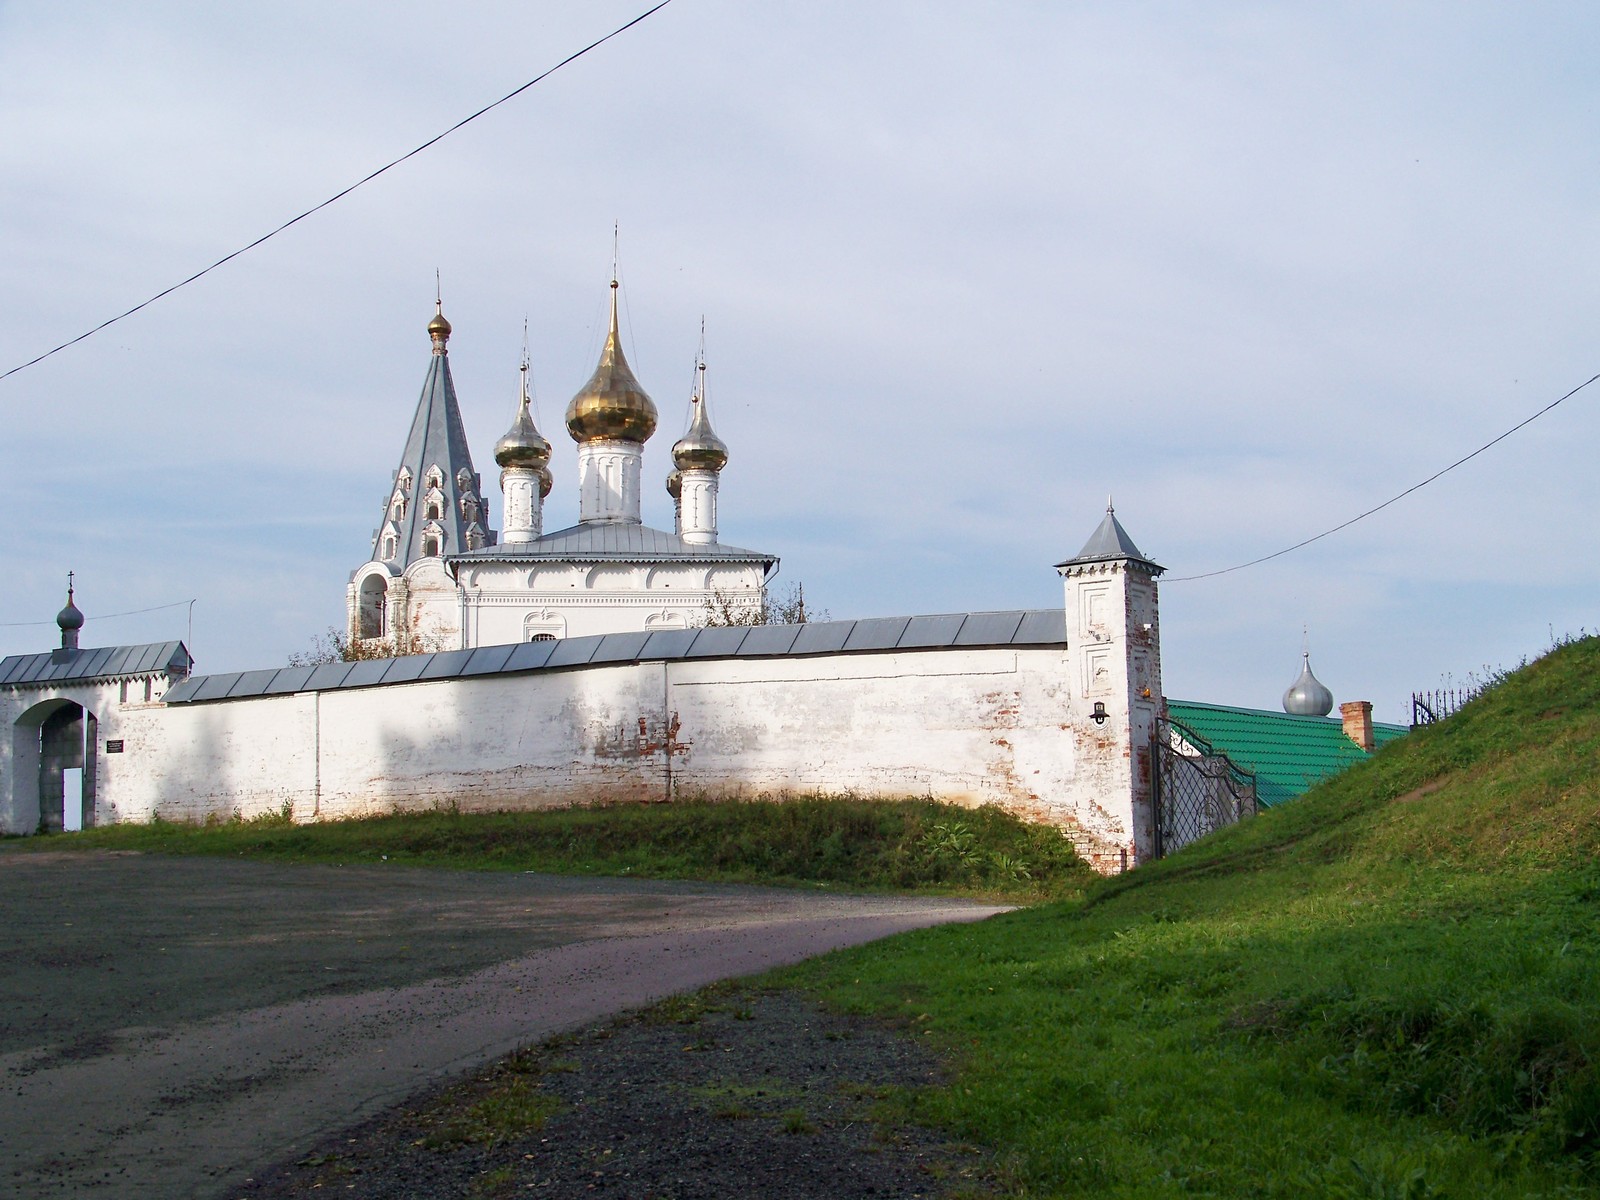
(1099, 715)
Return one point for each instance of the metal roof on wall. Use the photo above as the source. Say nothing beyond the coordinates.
(99, 662)
(1039, 627)
(1287, 753)
(611, 540)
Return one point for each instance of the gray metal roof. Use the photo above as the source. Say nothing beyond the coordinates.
(437, 439)
(1039, 627)
(1109, 542)
(602, 541)
(104, 662)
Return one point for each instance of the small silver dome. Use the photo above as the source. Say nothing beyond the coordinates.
(1307, 697)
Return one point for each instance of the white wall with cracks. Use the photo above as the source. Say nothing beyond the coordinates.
(1013, 725)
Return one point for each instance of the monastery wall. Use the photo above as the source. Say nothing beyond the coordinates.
(971, 726)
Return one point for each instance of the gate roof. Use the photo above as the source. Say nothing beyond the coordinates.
(104, 662)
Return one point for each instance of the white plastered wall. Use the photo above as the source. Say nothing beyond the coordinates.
(969, 726)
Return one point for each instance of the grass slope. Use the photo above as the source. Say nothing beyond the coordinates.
(1386, 989)
(909, 845)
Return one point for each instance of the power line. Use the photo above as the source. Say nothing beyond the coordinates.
(339, 195)
(1392, 499)
(134, 612)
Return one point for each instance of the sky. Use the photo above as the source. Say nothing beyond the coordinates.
(966, 270)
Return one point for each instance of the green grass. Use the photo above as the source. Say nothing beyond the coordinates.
(1389, 988)
(909, 845)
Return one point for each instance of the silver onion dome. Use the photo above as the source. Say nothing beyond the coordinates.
(70, 618)
(522, 445)
(1307, 697)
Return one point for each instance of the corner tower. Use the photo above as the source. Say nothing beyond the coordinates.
(1114, 661)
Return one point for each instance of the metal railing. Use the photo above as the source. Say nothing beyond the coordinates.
(1429, 707)
(1197, 788)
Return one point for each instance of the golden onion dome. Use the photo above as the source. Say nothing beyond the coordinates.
(700, 449)
(675, 484)
(612, 405)
(439, 328)
(523, 445)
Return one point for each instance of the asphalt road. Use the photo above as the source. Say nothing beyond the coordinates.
(169, 1024)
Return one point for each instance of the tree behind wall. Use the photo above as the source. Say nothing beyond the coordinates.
(789, 608)
(338, 646)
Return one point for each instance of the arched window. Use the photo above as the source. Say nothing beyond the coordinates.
(435, 477)
(389, 546)
(430, 544)
(403, 480)
(543, 637)
(397, 508)
(373, 611)
(433, 510)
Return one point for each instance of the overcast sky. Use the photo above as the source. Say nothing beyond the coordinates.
(965, 270)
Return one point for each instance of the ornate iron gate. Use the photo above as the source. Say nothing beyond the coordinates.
(1196, 788)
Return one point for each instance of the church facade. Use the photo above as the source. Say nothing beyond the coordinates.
(440, 578)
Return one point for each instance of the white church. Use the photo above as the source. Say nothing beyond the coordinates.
(441, 579)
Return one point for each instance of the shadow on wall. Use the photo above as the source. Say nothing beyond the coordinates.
(53, 742)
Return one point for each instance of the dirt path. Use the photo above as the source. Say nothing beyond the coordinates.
(166, 1025)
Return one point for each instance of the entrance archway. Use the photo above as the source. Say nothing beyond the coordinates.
(52, 738)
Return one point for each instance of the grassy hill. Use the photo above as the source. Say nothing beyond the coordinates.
(1390, 988)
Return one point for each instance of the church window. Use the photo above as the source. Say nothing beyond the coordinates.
(123, 696)
(433, 510)
(430, 544)
(469, 508)
(475, 538)
(147, 691)
(389, 546)
(543, 637)
(397, 510)
(373, 607)
(464, 480)
(403, 480)
(435, 477)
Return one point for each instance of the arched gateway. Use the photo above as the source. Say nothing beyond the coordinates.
(69, 710)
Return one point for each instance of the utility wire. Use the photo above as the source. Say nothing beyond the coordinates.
(340, 195)
(99, 616)
(1392, 499)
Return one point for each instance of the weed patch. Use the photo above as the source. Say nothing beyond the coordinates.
(807, 841)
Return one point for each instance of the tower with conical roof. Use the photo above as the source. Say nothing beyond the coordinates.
(1114, 661)
(610, 418)
(434, 507)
